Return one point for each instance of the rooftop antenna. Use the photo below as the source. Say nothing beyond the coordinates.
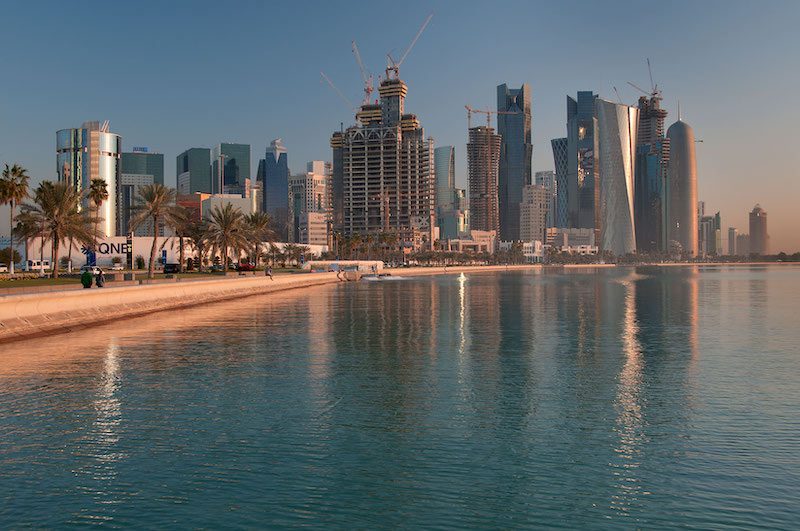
(679, 111)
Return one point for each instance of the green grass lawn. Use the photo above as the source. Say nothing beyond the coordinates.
(28, 282)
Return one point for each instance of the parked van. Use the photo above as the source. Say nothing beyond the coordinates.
(37, 265)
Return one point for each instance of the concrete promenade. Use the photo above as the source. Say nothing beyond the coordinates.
(38, 314)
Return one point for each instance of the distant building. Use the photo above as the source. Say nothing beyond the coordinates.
(276, 186)
(759, 237)
(743, 245)
(516, 152)
(652, 158)
(139, 168)
(193, 171)
(533, 213)
(682, 230)
(733, 235)
(560, 237)
(92, 152)
(483, 160)
(478, 241)
(308, 193)
(547, 180)
(212, 201)
(583, 190)
(313, 228)
(235, 159)
(709, 235)
(561, 159)
(454, 223)
(445, 168)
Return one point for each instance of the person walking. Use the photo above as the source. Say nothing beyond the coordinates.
(100, 280)
(268, 272)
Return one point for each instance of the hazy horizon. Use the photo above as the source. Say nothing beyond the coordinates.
(186, 74)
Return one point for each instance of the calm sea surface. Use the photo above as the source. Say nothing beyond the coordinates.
(648, 397)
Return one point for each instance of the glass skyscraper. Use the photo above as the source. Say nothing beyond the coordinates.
(236, 166)
(652, 157)
(276, 186)
(445, 168)
(516, 153)
(193, 171)
(583, 193)
(561, 160)
(144, 163)
(139, 168)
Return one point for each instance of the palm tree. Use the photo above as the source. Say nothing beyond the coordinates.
(182, 226)
(197, 234)
(259, 226)
(227, 230)
(26, 229)
(156, 203)
(13, 190)
(98, 192)
(56, 213)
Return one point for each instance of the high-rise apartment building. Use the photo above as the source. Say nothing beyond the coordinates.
(547, 180)
(743, 245)
(733, 234)
(276, 186)
(235, 167)
(682, 216)
(87, 153)
(454, 223)
(483, 161)
(445, 168)
(617, 127)
(385, 177)
(533, 211)
(652, 157)
(139, 168)
(516, 152)
(193, 171)
(709, 234)
(308, 192)
(759, 237)
(561, 159)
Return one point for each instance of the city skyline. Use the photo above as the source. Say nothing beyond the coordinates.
(728, 111)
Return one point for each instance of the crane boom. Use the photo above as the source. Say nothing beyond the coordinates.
(339, 92)
(416, 38)
(366, 77)
(638, 88)
(650, 72)
(359, 61)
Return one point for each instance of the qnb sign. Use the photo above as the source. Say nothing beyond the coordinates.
(112, 248)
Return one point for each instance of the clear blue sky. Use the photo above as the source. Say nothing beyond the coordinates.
(176, 74)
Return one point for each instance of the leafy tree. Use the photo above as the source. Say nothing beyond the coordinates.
(13, 190)
(6, 256)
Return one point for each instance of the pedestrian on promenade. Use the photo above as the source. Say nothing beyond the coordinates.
(268, 272)
(101, 279)
(86, 279)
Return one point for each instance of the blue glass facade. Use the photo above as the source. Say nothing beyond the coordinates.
(193, 166)
(516, 154)
(276, 186)
(236, 165)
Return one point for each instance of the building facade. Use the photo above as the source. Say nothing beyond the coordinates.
(561, 159)
(733, 233)
(445, 169)
(87, 153)
(682, 216)
(759, 237)
(617, 127)
(547, 180)
(652, 158)
(230, 166)
(139, 168)
(583, 189)
(483, 161)
(514, 122)
(533, 212)
(276, 186)
(193, 171)
(308, 192)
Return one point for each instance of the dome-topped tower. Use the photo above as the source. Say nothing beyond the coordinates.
(682, 187)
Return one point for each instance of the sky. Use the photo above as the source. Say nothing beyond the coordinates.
(179, 74)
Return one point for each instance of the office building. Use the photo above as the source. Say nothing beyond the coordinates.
(212, 201)
(193, 171)
(547, 180)
(337, 181)
(454, 223)
(733, 234)
(743, 245)
(759, 237)
(483, 161)
(139, 168)
(92, 152)
(445, 169)
(308, 192)
(583, 190)
(385, 180)
(516, 152)
(276, 186)
(234, 169)
(682, 216)
(617, 126)
(709, 235)
(652, 158)
(533, 213)
(561, 159)
(313, 228)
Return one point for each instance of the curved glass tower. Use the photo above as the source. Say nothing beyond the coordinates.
(682, 189)
(91, 152)
(617, 126)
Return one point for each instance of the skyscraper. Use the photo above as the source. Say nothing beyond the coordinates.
(561, 160)
(445, 168)
(483, 161)
(652, 157)
(308, 192)
(617, 126)
(547, 180)
(385, 180)
(733, 234)
(583, 190)
(139, 168)
(235, 167)
(276, 186)
(682, 189)
(533, 213)
(87, 153)
(193, 171)
(759, 238)
(516, 152)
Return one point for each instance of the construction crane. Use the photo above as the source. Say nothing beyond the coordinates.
(617, 93)
(347, 102)
(366, 77)
(488, 114)
(655, 92)
(394, 66)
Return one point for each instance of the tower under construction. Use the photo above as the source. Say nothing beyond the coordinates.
(483, 160)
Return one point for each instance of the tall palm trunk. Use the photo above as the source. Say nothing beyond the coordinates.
(11, 238)
(180, 243)
(225, 257)
(151, 270)
(54, 245)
